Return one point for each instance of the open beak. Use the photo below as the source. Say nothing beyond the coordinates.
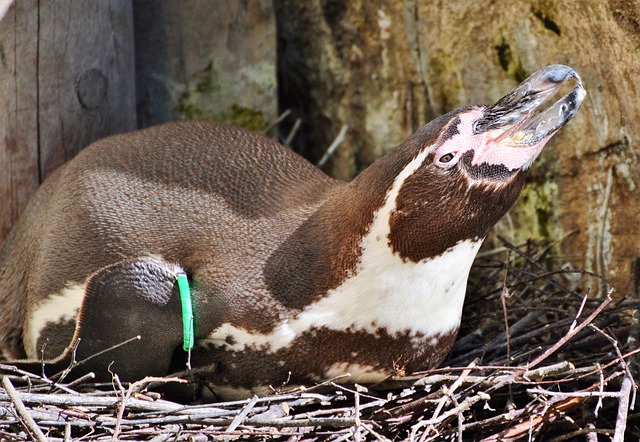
(521, 118)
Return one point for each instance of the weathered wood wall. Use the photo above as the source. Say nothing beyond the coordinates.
(385, 67)
(67, 76)
(66, 79)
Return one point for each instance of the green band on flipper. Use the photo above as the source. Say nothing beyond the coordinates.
(187, 312)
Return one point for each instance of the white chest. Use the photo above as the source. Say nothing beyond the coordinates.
(420, 298)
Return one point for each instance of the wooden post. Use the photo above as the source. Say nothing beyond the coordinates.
(66, 79)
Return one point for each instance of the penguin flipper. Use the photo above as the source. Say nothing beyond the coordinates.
(123, 301)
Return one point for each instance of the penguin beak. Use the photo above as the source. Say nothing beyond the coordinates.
(522, 119)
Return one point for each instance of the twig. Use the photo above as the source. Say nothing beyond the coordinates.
(503, 297)
(33, 377)
(377, 435)
(237, 421)
(293, 132)
(332, 148)
(453, 387)
(120, 414)
(342, 387)
(591, 434)
(601, 389)
(277, 121)
(579, 312)
(356, 404)
(464, 406)
(22, 410)
(356, 412)
(82, 379)
(590, 371)
(573, 332)
(67, 433)
(574, 394)
(623, 363)
(497, 251)
(564, 367)
(460, 421)
(320, 385)
(66, 400)
(126, 396)
(74, 364)
(623, 407)
(634, 326)
(546, 276)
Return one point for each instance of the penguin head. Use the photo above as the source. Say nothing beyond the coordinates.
(494, 143)
(467, 168)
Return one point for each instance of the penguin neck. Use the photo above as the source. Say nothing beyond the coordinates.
(395, 211)
(340, 270)
(326, 249)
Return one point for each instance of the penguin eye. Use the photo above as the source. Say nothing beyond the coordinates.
(446, 157)
(447, 160)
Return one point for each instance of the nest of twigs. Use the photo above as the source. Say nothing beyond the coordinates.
(537, 358)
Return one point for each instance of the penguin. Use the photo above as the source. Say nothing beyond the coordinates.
(295, 277)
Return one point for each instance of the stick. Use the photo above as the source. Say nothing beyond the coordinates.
(67, 433)
(563, 395)
(623, 363)
(623, 408)
(579, 312)
(278, 120)
(464, 406)
(356, 406)
(449, 392)
(80, 380)
(601, 389)
(573, 332)
(120, 414)
(292, 134)
(31, 376)
(22, 410)
(66, 400)
(74, 364)
(332, 148)
(235, 423)
(503, 297)
(550, 370)
(126, 397)
(378, 436)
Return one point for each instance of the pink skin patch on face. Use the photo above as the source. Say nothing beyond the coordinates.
(488, 147)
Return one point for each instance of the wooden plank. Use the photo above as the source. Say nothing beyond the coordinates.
(19, 176)
(66, 79)
(85, 75)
